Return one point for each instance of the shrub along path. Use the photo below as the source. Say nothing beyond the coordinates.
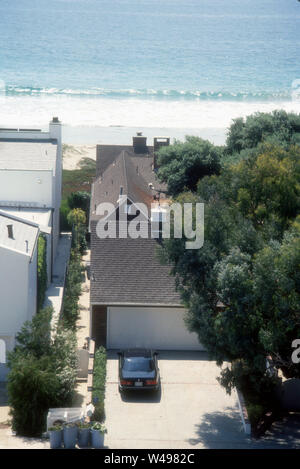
(83, 330)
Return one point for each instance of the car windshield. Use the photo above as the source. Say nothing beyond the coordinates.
(138, 364)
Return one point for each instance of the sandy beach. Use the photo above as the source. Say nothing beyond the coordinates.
(122, 135)
(80, 142)
(73, 154)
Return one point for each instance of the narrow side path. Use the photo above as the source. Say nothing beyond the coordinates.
(55, 291)
(82, 331)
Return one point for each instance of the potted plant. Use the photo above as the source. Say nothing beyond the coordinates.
(97, 434)
(70, 435)
(83, 434)
(55, 435)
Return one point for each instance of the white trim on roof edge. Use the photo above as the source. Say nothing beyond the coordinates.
(166, 305)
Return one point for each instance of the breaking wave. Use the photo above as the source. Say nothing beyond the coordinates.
(263, 96)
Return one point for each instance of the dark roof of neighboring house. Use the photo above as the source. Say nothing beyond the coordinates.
(121, 166)
(128, 271)
(107, 154)
(121, 173)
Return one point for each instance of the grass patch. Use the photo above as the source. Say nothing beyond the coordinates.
(99, 384)
(77, 180)
(42, 271)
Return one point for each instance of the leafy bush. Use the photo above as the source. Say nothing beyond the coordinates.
(99, 384)
(42, 375)
(255, 413)
(99, 427)
(77, 219)
(64, 212)
(32, 389)
(80, 199)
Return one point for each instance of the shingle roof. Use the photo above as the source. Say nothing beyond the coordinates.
(107, 154)
(24, 232)
(128, 271)
(120, 165)
(122, 173)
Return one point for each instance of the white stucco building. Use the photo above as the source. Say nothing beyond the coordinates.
(18, 277)
(30, 197)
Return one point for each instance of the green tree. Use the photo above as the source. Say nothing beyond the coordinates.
(278, 127)
(242, 287)
(79, 199)
(72, 291)
(77, 219)
(181, 165)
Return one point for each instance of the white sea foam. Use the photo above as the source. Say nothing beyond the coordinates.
(31, 110)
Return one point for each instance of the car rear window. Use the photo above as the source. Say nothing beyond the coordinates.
(138, 364)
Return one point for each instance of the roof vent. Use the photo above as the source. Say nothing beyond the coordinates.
(26, 245)
(10, 231)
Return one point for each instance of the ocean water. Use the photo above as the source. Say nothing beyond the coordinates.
(148, 63)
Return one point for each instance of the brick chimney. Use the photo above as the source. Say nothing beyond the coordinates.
(139, 143)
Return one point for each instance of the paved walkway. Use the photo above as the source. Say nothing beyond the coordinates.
(83, 331)
(83, 323)
(55, 292)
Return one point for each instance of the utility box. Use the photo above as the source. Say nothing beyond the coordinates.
(83, 363)
(64, 415)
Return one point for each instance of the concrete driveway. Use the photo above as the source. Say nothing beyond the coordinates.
(192, 410)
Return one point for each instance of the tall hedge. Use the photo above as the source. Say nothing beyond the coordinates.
(70, 312)
(42, 373)
(42, 271)
(99, 383)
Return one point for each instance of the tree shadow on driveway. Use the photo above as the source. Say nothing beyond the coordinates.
(220, 430)
(223, 430)
(285, 432)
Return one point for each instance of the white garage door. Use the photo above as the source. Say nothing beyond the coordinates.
(158, 328)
